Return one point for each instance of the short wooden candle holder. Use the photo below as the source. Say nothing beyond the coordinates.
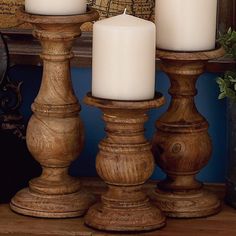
(55, 133)
(124, 162)
(181, 145)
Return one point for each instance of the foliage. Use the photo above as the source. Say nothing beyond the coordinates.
(227, 83)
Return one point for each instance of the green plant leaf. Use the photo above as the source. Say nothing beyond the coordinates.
(227, 82)
(222, 95)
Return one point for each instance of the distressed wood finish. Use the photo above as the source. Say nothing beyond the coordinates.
(124, 162)
(181, 145)
(222, 224)
(55, 133)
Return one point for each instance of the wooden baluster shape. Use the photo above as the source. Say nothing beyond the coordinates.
(55, 133)
(181, 145)
(124, 162)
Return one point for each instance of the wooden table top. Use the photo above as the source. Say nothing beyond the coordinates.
(12, 224)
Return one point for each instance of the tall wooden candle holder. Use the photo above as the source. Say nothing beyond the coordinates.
(55, 133)
(181, 145)
(124, 162)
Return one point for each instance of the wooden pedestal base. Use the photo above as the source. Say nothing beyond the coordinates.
(182, 145)
(115, 217)
(51, 206)
(186, 204)
(125, 162)
(55, 131)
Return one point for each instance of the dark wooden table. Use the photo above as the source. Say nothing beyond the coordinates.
(223, 224)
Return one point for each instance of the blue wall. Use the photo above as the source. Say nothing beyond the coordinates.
(213, 109)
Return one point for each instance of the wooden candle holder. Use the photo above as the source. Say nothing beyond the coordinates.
(124, 162)
(55, 132)
(181, 145)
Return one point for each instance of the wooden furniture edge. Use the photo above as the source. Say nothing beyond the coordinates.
(13, 224)
(24, 50)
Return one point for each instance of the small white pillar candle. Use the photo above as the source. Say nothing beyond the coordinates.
(56, 7)
(186, 25)
(123, 65)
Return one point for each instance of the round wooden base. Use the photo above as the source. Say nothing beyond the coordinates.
(143, 218)
(194, 204)
(51, 206)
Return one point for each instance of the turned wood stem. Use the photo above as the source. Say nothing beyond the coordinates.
(56, 115)
(55, 131)
(182, 145)
(183, 117)
(124, 162)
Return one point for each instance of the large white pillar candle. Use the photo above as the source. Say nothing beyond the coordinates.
(123, 65)
(56, 7)
(186, 25)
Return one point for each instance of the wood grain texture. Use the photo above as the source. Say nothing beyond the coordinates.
(226, 15)
(222, 224)
(55, 132)
(124, 162)
(182, 145)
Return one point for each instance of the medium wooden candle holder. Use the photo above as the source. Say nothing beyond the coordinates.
(124, 162)
(181, 145)
(55, 132)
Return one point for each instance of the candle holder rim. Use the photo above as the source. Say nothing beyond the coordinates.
(217, 52)
(157, 101)
(90, 15)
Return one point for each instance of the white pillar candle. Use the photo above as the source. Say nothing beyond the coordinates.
(56, 7)
(186, 25)
(123, 65)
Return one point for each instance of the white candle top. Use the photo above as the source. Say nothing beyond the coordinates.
(124, 58)
(124, 21)
(56, 7)
(186, 25)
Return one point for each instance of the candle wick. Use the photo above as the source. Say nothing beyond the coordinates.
(125, 11)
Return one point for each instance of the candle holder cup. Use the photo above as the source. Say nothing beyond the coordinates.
(181, 145)
(55, 133)
(124, 162)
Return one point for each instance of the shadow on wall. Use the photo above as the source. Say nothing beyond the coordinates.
(17, 166)
(206, 101)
